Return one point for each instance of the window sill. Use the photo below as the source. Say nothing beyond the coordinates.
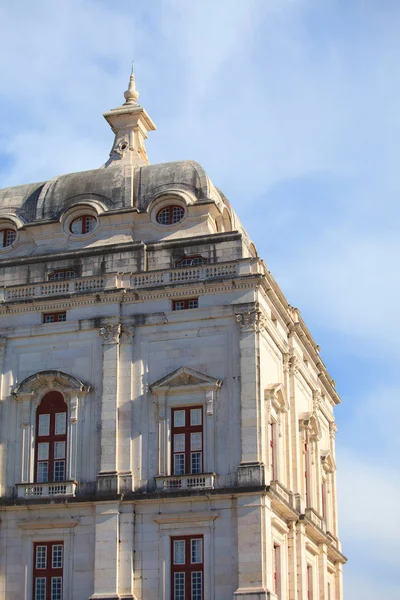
(46, 490)
(185, 482)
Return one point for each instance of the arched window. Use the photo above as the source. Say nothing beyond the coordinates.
(7, 237)
(51, 439)
(191, 261)
(63, 274)
(170, 215)
(83, 224)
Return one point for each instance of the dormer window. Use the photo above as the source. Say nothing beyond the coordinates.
(191, 261)
(7, 237)
(63, 274)
(83, 224)
(170, 215)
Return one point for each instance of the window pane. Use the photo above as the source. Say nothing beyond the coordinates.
(41, 556)
(179, 305)
(197, 586)
(196, 551)
(61, 423)
(179, 418)
(56, 588)
(89, 224)
(179, 586)
(76, 226)
(49, 318)
(43, 451)
(177, 214)
(179, 464)
(195, 462)
(59, 449)
(195, 416)
(42, 472)
(196, 442)
(40, 588)
(57, 561)
(193, 303)
(59, 468)
(179, 552)
(179, 442)
(9, 237)
(163, 216)
(44, 425)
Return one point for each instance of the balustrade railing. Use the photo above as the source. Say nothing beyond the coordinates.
(185, 482)
(44, 490)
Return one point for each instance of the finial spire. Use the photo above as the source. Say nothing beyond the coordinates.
(131, 95)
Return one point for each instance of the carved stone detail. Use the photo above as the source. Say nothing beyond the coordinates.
(127, 334)
(248, 321)
(110, 334)
(332, 430)
(294, 365)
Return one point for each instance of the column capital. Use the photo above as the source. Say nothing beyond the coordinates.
(248, 321)
(110, 334)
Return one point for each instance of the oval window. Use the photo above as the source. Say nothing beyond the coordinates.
(7, 237)
(170, 215)
(83, 224)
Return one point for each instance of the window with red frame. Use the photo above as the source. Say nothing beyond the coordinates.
(272, 449)
(310, 593)
(7, 237)
(323, 499)
(48, 558)
(185, 304)
(170, 215)
(56, 317)
(306, 475)
(187, 440)
(51, 439)
(187, 567)
(191, 261)
(83, 224)
(277, 570)
(63, 274)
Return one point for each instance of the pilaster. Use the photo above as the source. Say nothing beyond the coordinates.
(124, 408)
(323, 571)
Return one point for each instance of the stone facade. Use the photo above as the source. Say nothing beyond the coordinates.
(104, 319)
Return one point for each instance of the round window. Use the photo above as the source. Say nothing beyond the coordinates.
(83, 224)
(170, 215)
(7, 237)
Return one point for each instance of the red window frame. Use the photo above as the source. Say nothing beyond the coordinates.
(309, 582)
(52, 404)
(58, 317)
(4, 234)
(306, 475)
(62, 275)
(170, 211)
(277, 569)
(187, 568)
(323, 499)
(86, 219)
(48, 572)
(185, 304)
(187, 430)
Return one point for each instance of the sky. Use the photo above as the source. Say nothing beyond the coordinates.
(292, 108)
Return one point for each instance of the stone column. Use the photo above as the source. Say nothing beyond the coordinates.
(73, 438)
(251, 548)
(162, 435)
(292, 561)
(124, 405)
(3, 343)
(251, 468)
(27, 429)
(106, 553)
(107, 478)
(301, 559)
(323, 571)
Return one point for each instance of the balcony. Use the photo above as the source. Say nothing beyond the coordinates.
(46, 490)
(282, 499)
(133, 281)
(172, 483)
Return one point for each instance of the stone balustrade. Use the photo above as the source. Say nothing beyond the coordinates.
(185, 482)
(45, 490)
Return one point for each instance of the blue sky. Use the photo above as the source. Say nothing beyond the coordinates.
(292, 107)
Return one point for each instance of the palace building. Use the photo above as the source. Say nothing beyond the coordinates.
(167, 424)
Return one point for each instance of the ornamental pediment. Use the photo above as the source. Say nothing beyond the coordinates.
(56, 380)
(275, 393)
(310, 423)
(185, 378)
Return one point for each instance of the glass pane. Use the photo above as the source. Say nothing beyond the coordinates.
(177, 214)
(196, 551)
(41, 556)
(59, 450)
(179, 552)
(179, 418)
(89, 224)
(44, 425)
(56, 588)
(59, 468)
(193, 303)
(10, 237)
(195, 462)
(61, 423)
(197, 586)
(76, 226)
(195, 416)
(43, 451)
(179, 305)
(40, 588)
(42, 472)
(57, 561)
(179, 464)
(179, 442)
(196, 441)
(163, 216)
(179, 586)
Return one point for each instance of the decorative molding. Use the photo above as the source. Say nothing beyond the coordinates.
(311, 425)
(127, 334)
(248, 321)
(275, 393)
(185, 518)
(294, 365)
(186, 378)
(332, 430)
(43, 523)
(110, 334)
(52, 380)
(327, 461)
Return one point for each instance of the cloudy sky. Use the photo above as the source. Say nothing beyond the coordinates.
(292, 106)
